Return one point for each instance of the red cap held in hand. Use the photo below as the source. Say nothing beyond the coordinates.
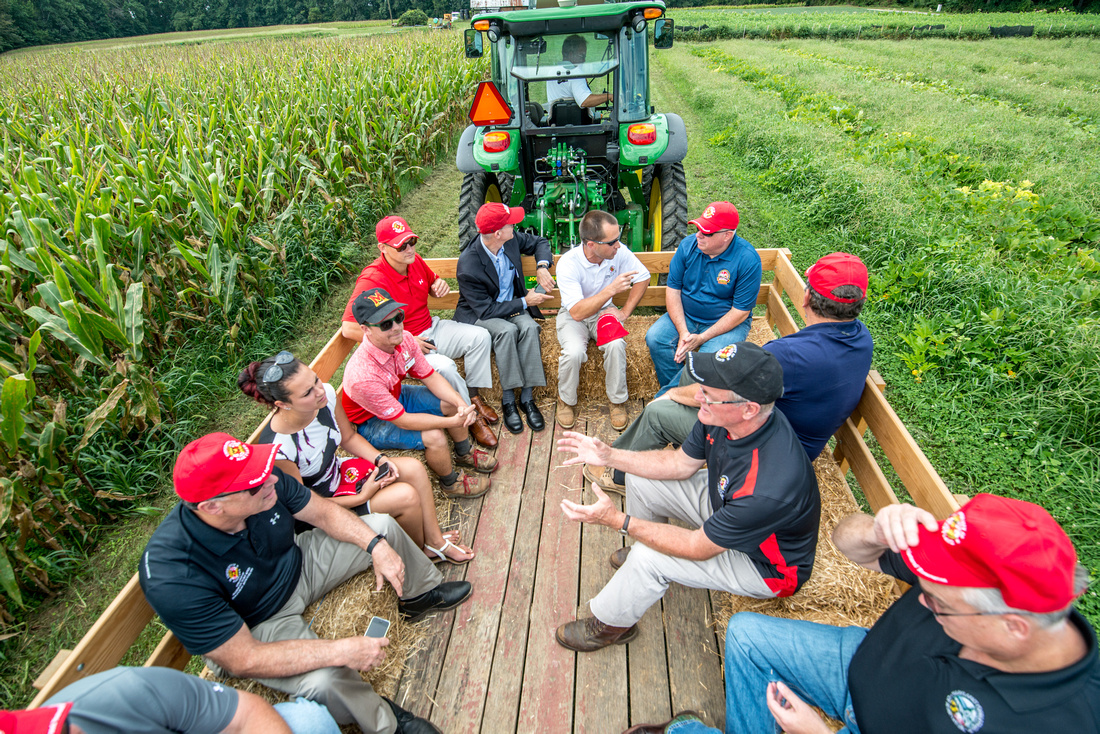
(608, 329)
(999, 543)
(45, 720)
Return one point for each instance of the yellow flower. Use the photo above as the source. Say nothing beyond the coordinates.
(1011, 374)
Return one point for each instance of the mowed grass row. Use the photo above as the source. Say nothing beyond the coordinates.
(163, 208)
(847, 22)
(979, 220)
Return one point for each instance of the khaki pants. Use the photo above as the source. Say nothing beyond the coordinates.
(645, 576)
(327, 563)
(573, 339)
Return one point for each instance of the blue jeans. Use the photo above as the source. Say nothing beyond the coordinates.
(810, 658)
(383, 434)
(662, 339)
(307, 717)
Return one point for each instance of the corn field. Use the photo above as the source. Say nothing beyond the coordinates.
(147, 195)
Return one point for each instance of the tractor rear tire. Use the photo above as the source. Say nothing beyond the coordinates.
(668, 208)
(477, 189)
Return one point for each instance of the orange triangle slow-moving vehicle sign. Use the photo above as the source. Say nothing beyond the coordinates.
(490, 107)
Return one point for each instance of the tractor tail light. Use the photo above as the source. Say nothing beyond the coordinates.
(481, 25)
(644, 133)
(496, 142)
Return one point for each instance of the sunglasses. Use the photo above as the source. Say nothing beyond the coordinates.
(386, 325)
(618, 238)
(408, 243)
(274, 373)
(252, 491)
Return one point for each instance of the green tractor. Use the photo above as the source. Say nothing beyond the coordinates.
(566, 126)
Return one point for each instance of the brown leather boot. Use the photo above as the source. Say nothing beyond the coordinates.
(618, 558)
(488, 414)
(566, 416)
(590, 634)
(483, 434)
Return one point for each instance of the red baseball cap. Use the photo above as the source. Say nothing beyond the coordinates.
(835, 270)
(717, 216)
(393, 231)
(217, 464)
(493, 216)
(608, 329)
(999, 543)
(45, 720)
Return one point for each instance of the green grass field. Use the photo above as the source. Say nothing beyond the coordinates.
(964, 174)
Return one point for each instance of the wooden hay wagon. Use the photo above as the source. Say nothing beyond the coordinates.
(494, 666)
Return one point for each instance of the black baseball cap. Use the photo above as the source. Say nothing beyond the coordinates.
(745, 368)
(373, 306)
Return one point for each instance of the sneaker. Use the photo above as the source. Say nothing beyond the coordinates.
(606, 479)
(619, 419)
(477, 460)
(566, 416)
(467, 486)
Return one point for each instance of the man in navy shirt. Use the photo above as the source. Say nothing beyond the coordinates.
(228, 576)
(986, 640)
(824, 365)
(741, 480)
(713, 281)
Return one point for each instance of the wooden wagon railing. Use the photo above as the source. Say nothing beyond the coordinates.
(123, 621)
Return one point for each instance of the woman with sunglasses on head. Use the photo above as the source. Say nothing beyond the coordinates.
(309, 424)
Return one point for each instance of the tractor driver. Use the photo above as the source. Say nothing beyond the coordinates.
(573, 51)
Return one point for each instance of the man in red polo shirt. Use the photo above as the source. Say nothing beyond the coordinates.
(405, 275)
(391, 415)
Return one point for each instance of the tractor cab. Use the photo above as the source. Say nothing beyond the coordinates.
(571, 127)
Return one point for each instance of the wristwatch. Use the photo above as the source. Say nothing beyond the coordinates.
(375, 541)
(542, 264)
(626, 524)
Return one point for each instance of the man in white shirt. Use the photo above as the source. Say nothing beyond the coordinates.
(573, 51)
(588, 276)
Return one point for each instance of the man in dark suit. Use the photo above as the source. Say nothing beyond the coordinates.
(492, 294)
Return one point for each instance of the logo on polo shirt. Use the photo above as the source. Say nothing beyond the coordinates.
(390, 411)
(953, 529)
(398, 227)
(236, 450)
(232, 572)
(723, 482)
(237, 577)
(723, 277)
(726, 353)
(377, 299)
(351, 474)
(965, 711)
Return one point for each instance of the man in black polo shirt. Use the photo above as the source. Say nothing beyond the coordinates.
(756, 505)
(227, 575)
(987, 640)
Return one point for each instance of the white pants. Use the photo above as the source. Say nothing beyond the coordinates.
(573, 339)
(645, 576)
(454, 340)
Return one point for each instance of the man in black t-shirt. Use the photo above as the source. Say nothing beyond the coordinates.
(228, 576)
(755, 506)
(987, 640)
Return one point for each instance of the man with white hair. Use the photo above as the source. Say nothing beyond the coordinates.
(986, 640)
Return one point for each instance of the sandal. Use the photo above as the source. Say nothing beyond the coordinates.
(455, 536)
(443, 557)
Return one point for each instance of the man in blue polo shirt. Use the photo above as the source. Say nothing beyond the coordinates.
(713, 281)
(825, 366)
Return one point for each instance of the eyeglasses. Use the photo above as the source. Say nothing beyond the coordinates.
(933, 606)
(705, 401)
(701, 233)
(618, 238)
(408, 243)
(386, 325)
(253, 491)
(274, 373)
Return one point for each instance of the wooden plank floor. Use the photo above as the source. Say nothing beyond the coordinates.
(493, 666)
